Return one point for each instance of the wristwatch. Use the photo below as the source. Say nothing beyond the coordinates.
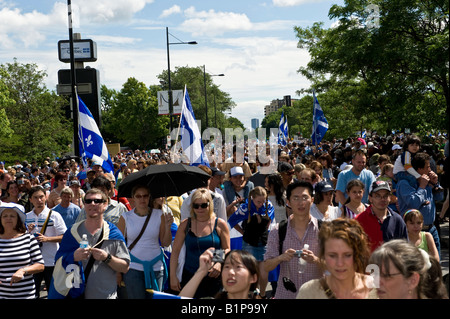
(107, 259)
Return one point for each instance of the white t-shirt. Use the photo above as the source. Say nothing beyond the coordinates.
(333, 213)
(55, 227)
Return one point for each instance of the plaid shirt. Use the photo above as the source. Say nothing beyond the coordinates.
(290, 269)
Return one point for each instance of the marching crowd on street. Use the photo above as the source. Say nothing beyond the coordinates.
(349, 219)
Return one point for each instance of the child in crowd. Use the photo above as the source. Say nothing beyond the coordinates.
(403, 166)
(354, 205)
(421, 239)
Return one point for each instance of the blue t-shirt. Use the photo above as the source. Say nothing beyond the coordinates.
(366, 176)
(68, 214)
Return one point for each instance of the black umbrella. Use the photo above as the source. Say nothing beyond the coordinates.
(165, 180)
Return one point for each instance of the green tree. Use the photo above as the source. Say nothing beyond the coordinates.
(392, 74)
(36, 116)
(5, 101)
(131, 115)
(218, 101)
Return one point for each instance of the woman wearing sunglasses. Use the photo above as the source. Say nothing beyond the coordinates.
(201, 231)
(344, 252)
(146, 229)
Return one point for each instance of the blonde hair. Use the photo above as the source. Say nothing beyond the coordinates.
(202, 193)
(255, 192)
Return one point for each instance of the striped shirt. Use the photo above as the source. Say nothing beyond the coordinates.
(18, 253)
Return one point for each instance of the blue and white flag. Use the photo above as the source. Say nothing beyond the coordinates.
(90, 139)
(191, 139)
(364, 134)
(320, 123)
(283, 130)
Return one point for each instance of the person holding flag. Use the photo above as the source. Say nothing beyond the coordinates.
(320, 123)
(256, 215)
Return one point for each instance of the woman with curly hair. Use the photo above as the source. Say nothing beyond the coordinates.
(344, 251)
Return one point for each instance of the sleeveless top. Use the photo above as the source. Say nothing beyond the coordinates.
(195, 246)
(423, 244)
(348, 213)
(148, 246)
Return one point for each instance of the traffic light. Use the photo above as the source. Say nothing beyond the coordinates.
(89, 80)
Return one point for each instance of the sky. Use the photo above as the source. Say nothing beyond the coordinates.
(251, 42)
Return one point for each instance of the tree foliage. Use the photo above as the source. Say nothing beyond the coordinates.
(394, 75)
(36, 119)
(218, 101)
(130, 116)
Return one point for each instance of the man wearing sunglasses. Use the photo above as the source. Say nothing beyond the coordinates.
(301, 229)
(106, 255)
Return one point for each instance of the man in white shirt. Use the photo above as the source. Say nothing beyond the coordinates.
(49, 228)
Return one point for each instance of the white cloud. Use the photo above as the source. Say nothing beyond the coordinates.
(172, 10)
(292, 3)
(108, 11)
(214, 23)
(28, 28)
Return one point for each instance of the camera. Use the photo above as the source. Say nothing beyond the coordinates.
(218, 256)
(298, 253)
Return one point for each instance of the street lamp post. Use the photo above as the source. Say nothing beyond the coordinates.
(168, 71)
(206, 96)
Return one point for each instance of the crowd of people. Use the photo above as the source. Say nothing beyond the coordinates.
(311, 223)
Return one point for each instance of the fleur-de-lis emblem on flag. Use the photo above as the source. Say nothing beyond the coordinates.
(89, 140)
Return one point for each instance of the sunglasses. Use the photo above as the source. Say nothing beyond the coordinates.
(96, 201)
(202, 205)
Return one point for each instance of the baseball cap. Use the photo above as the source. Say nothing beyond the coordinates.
(396, 147)
(74, 182)
(323, 187)
(237, 170)
(17, 208)
(216, 171)
(379, 185)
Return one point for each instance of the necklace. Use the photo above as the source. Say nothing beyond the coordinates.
(197, 233)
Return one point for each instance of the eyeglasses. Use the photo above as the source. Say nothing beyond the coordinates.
(300, 198)
(94, 200)
(378, 197)
(141, 196)
(389, 276)
(202, 205)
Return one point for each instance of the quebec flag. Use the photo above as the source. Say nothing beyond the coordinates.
(90, 139)
(282, 130)
(191, 139)
(320, 123)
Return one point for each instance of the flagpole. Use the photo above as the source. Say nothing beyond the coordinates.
(73, 83)
(314, 119)
(181, 116)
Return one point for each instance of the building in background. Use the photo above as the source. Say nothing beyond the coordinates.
(255, 124)
(275, 105)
